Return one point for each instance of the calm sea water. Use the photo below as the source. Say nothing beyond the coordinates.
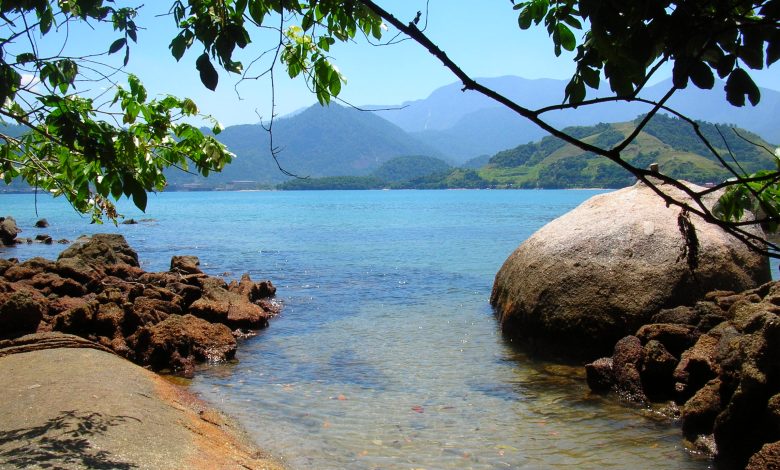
(387, 354)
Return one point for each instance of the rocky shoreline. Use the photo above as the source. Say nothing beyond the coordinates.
(166, 321)
(69, 330)
(716, 364)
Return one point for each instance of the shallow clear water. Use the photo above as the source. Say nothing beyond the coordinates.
(387, 353)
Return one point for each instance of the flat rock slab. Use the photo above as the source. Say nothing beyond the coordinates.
(84, 408)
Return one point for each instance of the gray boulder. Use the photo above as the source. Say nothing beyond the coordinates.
(601, 271)
(8, 231)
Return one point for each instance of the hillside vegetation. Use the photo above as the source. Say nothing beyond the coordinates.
(552, 163)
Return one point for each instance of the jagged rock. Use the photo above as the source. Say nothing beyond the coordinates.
(600, 375)
(676, 338)
(657, 368)
(700, 411)
(601, 271)
(254, 291)
(102, 248)
(682, 315)
(698, 365)
(169, 344)
(185, 265)
(20, 313)
(768, 458)
(43, 238)
(28, 269)
(50, 283)
(97, 290)
(626, 364)
(8, 231)
(220, 305)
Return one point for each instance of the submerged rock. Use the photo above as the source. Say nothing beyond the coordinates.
(601, 271)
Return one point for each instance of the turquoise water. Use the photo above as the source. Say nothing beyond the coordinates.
(387, 353)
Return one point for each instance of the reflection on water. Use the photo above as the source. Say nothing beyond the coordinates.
(386, 354)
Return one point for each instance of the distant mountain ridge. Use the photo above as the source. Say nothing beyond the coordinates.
(464, 125)
(319, 141)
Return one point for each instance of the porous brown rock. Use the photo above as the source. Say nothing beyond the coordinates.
(177, 341)
(97, 290)
(601, 271)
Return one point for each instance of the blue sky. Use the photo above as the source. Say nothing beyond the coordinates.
(484, 40)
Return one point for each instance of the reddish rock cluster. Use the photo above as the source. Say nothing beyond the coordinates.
(719, 360)
(164, 320)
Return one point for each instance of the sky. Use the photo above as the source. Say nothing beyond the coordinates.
(481, 37)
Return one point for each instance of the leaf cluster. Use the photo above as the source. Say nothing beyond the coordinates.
(625, 42)
(75, 143)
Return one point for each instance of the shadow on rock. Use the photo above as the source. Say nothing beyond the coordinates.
(63, 441)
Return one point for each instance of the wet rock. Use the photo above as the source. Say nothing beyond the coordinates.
(41, 223)
(8, 231)
(601, 271)
(20, 313)
(43, 238)
(626, 364)
(700, 411)
(219, 305)
(129, 222)
(185, 265)
(168, 344)
(600, 375)
(254, 291)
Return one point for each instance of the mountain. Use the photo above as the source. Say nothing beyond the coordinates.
(319, 141)
(406, 168)
(670, 142)
(393, 173)
(463, 125)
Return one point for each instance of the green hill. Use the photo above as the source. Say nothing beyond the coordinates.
(409, 167)
(670, 142)
(318, 142)
(393, 173)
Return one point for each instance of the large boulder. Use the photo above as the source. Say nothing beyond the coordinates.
(601, 271)
(102, 249)
(8, 230)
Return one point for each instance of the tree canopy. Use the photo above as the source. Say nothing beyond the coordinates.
(94, 145)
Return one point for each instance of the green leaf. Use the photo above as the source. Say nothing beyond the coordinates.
(701, 75)
(740, 84)
(139, 197)
(117, 45)
(567, 39)
(25, 57)
(680, 72)
(308, 20)
(208, 74)
(575, 91)
(178, 46)
(525, 18)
